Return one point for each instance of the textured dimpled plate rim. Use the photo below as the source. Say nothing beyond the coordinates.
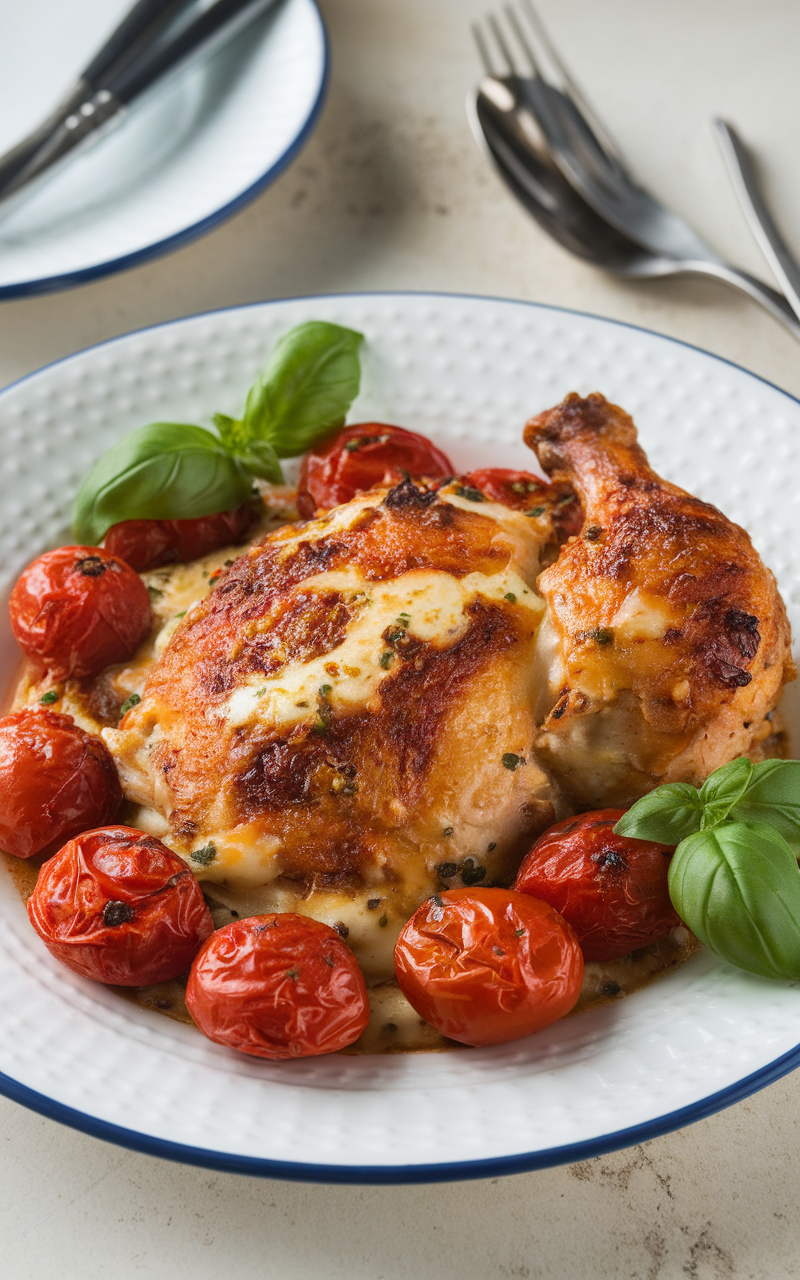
(196, 152)
(468, 372)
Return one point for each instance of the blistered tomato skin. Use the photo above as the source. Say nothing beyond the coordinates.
(117, 906)
(523, 491)
(612, 889)
(147, 544)
(485, 966)
(360, 457)
(278, 986)
(55, 780)
(517, 489)
(77, 610)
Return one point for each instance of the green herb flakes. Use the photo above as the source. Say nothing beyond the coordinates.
(132, 701)
(603, 636)
(205, 856)
(472, 872)
(447, 870)
(47, 699)
(467, 491)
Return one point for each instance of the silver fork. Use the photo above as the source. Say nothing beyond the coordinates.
(529, 110)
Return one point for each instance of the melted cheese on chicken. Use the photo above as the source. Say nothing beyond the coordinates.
(346, 722)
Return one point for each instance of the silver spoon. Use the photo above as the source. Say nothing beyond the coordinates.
(509, 135)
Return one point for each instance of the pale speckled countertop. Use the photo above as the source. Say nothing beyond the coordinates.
(391, 193)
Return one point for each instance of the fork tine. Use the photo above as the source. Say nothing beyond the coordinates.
(569, 86)
(483, 49)
(497, 32)
(522, 38)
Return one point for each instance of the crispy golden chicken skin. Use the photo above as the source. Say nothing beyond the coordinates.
(665, 643)
(351, 708)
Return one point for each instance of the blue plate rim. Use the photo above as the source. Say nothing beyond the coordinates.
(259, 1166)
(85, 275)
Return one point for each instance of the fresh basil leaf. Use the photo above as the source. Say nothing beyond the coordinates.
(261, 460)
(305, 389)
(257, 455)
(668, 815)
(737, 887)
(164, 471)
(231, 433)
(773, 796)
(722, 788)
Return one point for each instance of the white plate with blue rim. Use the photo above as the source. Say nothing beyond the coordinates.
(189, 157)
(467, 372)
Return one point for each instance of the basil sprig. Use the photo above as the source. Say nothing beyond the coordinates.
(176, 471)
(734, 877)
(165, 471)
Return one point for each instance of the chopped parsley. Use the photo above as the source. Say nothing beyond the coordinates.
(510, 597)
(602, 635)
(386, 659)
(47, 699)
(535, 512)
(132, 701)
(205, 856)
(472, 872)
(467, 491)
(512, 761)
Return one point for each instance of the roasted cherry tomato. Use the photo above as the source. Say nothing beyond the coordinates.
(488, 965)
(118, 906)
(611, 889)
(517, 489)
(146, 544)
(278, 986)
(77, 610)
(525, 492)
(55, 780)
(361, 457)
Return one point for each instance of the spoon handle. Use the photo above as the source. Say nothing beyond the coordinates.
(774, 302)
(771, 242)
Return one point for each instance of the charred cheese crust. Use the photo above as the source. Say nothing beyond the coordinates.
(326, 731)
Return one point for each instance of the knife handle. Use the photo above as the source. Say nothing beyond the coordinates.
(199, 35)
(143, 22)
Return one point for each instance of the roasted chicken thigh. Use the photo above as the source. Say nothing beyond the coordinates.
(400, 694)
(665, 644)
(348, 716)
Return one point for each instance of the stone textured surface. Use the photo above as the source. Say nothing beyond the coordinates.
(391, 193)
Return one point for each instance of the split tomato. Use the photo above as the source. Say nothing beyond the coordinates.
(146, 544)
(278, 986)
(118, 906)
(55, 781)
(77, 610)
(485, 966)
(612, 889)
(363, 456)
